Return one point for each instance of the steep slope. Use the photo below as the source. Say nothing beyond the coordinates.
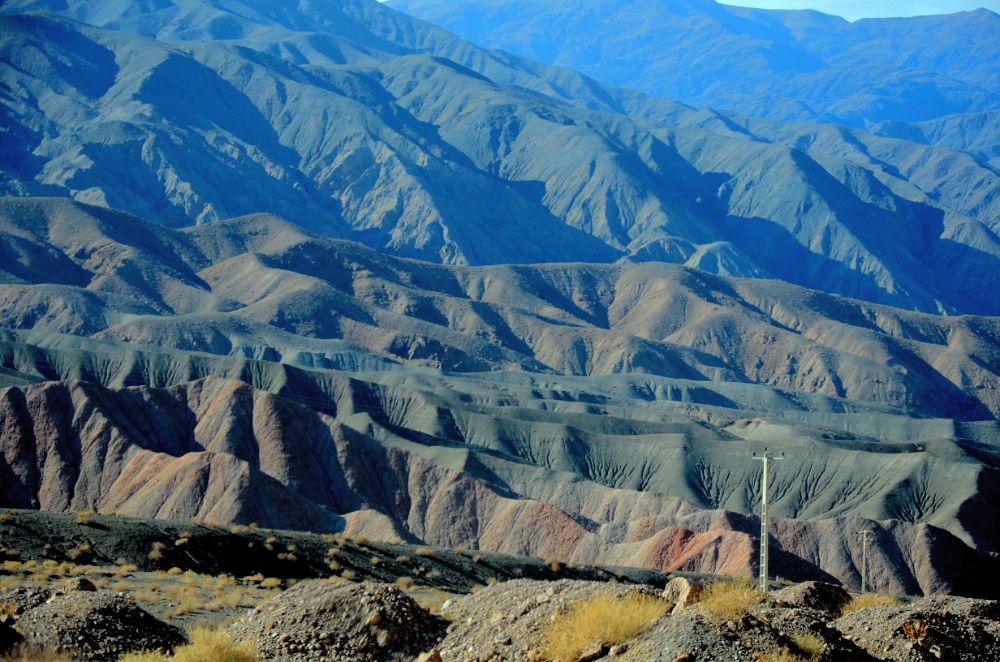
(347, 119)
(789, 65)
(259, 287)
(224, 452)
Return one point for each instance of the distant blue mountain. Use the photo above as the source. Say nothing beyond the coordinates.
(787, 65)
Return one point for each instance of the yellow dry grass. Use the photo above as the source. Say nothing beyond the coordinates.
(781, 655)
(728, 600)
(25, 655)
(603, 619)
(867, 601)
(810, 646)
(214, 645)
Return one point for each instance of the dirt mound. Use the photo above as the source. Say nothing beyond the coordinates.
(506, 621)
(688, 636)
(318, 620)
(23, 598)
(935, 628)
(95, 626)
(814, 595)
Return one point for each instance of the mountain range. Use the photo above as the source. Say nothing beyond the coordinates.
(320, 265)
(793, 66)
(355, 121)
(246, 371)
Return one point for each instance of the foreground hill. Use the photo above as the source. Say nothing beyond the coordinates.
(358, 612)
(356, 121)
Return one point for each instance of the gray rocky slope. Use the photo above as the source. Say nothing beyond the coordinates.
(587, 412)
(356, 121)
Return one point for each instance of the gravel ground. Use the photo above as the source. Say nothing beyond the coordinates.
(935, 628)
(95, 626)
(504, 622)
(319, 620)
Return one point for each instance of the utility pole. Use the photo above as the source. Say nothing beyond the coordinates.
(864, 561)
(766, 459)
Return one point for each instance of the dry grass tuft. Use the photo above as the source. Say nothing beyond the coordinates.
(781, 655)
(811, 646)
(603, 619)
(728, 600)
(867, 601)
(214, 645)
(23, 654)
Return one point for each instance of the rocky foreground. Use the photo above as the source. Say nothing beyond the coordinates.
(324, 619)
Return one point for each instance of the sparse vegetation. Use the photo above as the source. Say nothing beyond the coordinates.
(781, 655)
(85, 518)
(23, 654)
(156, 552)
(728, 600)
(810, 646)
(602, 619)
(78, 553)
(214, 645)
(868, 601)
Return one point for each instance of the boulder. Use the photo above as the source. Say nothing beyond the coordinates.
(682, 592)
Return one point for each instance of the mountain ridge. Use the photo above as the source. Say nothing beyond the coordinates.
(399, 147)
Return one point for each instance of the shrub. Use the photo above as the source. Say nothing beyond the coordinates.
(603, 619)
(728, 600)
(270, 582)
(867, 601)
(78, 552)
(175, 571)
(205, 645)
(426, 552)
(156, 553)
(85, 518)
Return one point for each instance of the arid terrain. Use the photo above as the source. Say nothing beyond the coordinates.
(246, 594)
(326, 333)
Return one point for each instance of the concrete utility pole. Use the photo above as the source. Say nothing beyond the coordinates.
(864, 561)
(766, 459)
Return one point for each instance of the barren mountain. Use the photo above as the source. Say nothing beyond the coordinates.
(398, 467)
(590, 412)
(355, 121)
(800, 66)
(262, 288)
